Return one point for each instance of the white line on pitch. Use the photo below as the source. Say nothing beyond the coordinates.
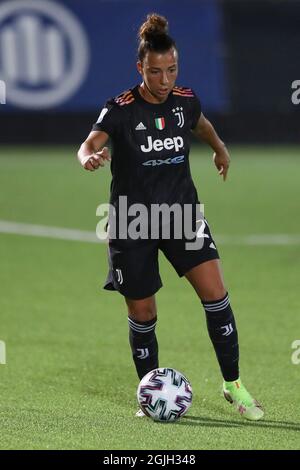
(47, 231)
(17, 228)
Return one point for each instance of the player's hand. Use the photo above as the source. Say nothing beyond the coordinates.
(222, 161)
(93, 161)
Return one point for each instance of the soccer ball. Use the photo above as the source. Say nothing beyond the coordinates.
(164, 394)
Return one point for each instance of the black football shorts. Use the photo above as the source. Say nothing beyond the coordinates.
(134, 270)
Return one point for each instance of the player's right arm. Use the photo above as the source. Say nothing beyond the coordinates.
(89, 155)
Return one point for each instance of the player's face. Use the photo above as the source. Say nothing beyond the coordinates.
(159, 72)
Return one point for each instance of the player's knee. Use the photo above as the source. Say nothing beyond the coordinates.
(142, 315)
(141, 310)
(214, 293)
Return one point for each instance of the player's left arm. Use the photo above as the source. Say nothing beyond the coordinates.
(205, 131)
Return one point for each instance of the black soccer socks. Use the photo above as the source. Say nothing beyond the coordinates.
(144, 345)
(223, 334)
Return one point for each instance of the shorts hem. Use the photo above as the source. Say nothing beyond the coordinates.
(129, 295)
(192, 265)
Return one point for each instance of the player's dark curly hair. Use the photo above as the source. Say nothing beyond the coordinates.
(154, 37)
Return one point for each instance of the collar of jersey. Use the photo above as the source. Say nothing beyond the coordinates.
(157, 106)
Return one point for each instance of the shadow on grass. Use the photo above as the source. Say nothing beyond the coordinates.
(203, 421)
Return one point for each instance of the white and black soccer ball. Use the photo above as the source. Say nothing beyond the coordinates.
(164, 394)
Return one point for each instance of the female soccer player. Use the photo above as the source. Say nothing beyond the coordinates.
(150, 127)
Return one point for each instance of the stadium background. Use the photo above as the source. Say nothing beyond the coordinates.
(68, 381)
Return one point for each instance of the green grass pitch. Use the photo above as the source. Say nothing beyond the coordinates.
(69, 381)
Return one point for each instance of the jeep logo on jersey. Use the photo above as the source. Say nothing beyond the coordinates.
(167, 144)
(167, 161)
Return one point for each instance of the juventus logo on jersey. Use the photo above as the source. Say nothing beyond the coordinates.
(180, 116)
(119, 276)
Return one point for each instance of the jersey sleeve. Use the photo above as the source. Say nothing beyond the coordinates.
(195, 110)
(109, 119)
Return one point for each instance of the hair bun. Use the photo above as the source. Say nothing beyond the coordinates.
(155, 25)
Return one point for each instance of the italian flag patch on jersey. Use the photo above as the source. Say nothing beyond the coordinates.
(160, 123)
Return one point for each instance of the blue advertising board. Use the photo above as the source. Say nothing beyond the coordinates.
(72, 55)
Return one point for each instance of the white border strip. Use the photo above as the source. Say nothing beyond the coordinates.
(16, 228)
(60, 233)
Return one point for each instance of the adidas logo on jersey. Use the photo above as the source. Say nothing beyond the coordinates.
(168, 144)
(140, 127)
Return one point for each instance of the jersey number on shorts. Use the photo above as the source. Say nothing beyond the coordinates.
(200, 231)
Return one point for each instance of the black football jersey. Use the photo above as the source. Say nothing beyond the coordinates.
(150, 146)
